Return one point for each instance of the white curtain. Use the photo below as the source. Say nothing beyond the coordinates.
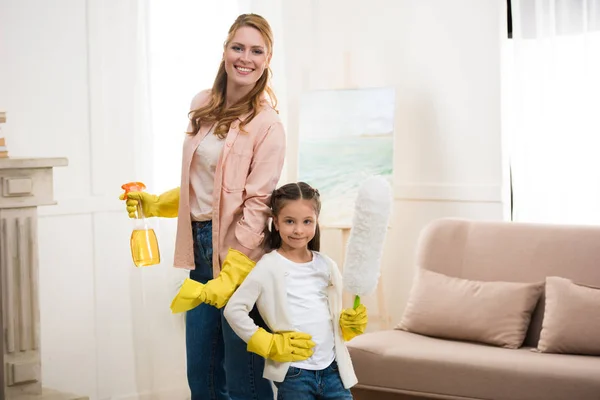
(553, 98)
(178, 49)
(185, 48)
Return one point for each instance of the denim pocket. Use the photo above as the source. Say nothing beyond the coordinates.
(293, 372)
(334, 366)
(203, 251)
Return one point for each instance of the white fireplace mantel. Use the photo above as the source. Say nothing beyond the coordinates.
(25, 184)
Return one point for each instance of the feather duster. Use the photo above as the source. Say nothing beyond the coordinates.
(365, 246)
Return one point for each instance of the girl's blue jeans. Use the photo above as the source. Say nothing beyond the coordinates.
(218, 365)
(303, 384)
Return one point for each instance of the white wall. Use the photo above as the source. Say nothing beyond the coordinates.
(443, 59)
(70, 87)
(68, 82)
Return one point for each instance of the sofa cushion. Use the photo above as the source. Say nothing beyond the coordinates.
(571, 321)
(495, 313)
(412, 363)
(511, 252)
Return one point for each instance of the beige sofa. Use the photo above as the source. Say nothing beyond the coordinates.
(396, 364)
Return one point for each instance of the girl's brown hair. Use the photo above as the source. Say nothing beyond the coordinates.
(215, 110)
(279, 198)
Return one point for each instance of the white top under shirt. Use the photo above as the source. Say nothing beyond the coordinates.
(308, 303)
(202, 176)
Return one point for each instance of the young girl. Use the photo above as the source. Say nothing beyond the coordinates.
(298, 292)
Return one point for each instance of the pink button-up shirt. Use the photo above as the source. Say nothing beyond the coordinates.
(247, 173)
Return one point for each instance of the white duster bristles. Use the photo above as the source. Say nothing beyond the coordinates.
(365, 245)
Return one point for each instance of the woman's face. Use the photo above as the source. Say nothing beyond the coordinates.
(246, 58)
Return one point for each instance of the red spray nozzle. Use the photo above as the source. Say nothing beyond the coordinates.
(133, 187)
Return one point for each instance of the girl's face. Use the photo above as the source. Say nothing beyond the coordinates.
(296, 223)
(245, 57)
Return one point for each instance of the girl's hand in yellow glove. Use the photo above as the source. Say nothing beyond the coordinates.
(166, 205)
(281, 346)
(353, 322)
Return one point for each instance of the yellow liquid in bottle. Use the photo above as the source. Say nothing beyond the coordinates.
(144, 247)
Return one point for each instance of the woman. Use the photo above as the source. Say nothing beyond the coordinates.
(232, 160)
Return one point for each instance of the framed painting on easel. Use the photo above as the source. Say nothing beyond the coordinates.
(345, 136)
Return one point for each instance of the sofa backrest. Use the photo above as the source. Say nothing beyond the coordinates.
(513, 252)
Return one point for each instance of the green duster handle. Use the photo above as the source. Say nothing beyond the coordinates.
(356, 302)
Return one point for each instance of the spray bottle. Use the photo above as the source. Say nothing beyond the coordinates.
(144, 245)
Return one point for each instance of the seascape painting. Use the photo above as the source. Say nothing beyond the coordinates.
(345, 137)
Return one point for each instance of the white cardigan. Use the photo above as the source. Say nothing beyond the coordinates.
(265, 286)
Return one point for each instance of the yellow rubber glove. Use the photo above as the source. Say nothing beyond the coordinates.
(281, 346)
(166, 205)
(217, 291)
(236, 267)
(190, 295)
(353, 322)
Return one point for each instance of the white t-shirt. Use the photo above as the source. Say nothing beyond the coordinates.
(308, 305)
(202, 176)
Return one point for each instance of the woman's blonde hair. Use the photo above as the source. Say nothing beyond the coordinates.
(215, 110)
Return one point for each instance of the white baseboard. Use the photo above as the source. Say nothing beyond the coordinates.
(172, 394)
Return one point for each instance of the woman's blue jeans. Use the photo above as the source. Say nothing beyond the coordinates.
(218, 365)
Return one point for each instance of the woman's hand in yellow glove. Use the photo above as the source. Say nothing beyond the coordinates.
(353, 322)
(166, 205)
(190, 295)
(281, 346)
(236, 267)
(217, 291)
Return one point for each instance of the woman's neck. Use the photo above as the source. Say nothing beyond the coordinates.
(234, 93)
(301, 255)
